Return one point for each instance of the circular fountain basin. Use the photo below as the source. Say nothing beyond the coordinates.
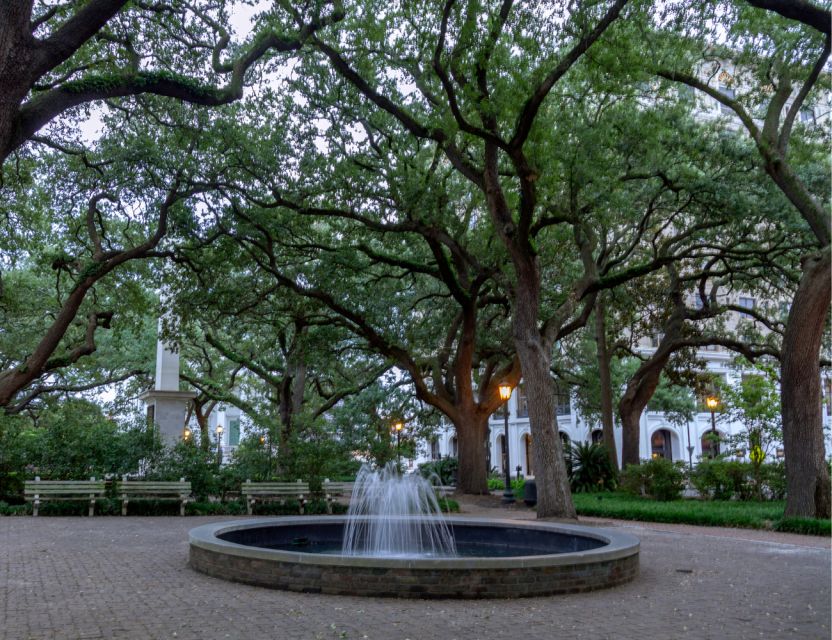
(497, 559)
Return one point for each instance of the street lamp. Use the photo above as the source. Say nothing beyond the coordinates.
(505, 394)
(690, 450)
(187, 435)
(397, 427)
(712, 402)
(219, 445)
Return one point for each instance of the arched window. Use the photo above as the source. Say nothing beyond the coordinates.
(660, 445)
(527, 446)
(434, 450)
(454, 448)
(501, 453)
(564, 440)
(597, 436)
(710, 444)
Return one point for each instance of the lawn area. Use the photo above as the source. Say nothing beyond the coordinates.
(719, 513)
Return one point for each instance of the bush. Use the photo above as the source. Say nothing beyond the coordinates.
(591, 468)
(730, 479)
(445, 469)
(659, 478)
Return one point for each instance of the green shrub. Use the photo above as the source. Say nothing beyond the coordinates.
(448, 506)
(445, 469)
(719, 479)
(731, 479)
(591, 468)
(658, 478)
(774, 480)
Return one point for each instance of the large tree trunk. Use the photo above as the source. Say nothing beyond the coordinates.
(16, 53)
(472, 437)
(807, 476)
(640, 389)
(605, 380)
(554, 497)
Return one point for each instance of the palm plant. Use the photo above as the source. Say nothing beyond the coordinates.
(591, 468)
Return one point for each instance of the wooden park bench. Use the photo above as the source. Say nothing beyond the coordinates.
(38, 491)
(334, 490)
(151, 489)
(274, 491)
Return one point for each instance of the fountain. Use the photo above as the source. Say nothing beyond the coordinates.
(393, 515)
(394, 541)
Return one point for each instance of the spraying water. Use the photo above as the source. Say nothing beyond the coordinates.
(393, 515)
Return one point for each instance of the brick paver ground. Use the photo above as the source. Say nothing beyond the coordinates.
(111, 577)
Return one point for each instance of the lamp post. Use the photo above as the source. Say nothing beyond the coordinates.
(187, 435)
(219, 445)
(690, 450)
(712, 402)
(398, 426)
(505, 394)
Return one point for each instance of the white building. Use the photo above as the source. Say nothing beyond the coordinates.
(659, 437)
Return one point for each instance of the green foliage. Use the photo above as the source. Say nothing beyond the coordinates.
(715, 513)
(727, 479)
(806, 526)
(186, 460)
(72, 440)
(591, 468)
(445, 469)
(660, 479)
(448, 506)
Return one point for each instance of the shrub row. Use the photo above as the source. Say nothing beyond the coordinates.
(713, 479)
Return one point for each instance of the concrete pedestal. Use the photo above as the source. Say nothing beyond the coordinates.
(167, 410)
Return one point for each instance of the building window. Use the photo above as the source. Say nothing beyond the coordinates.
(597, 436)
(828, 384)
(501, 452)
(564, 441)
(527, 447)
(746, 303)
(710, 444)
(728, 92)
(562, 405)
(434, 450)
(807, 115)
(151, 415)
(234, 432)
(522, 403)
(454, 449)
(660, 445)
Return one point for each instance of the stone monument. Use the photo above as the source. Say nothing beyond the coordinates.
(167, 406)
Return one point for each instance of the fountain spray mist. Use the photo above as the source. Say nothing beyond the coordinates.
(395, 515)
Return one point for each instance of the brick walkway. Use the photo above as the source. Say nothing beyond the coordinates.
(110, 577)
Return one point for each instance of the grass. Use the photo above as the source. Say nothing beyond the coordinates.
(717, 513)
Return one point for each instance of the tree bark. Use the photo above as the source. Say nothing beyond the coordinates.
(807, 475)
(554, 498)
(605, 380)
(472, 436)
(16, 58)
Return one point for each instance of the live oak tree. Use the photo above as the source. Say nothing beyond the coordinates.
(777, 68)
(468, 70)
(58, 58)
(88, 223)
(55, 56)
(244, 342)
(375, 237)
